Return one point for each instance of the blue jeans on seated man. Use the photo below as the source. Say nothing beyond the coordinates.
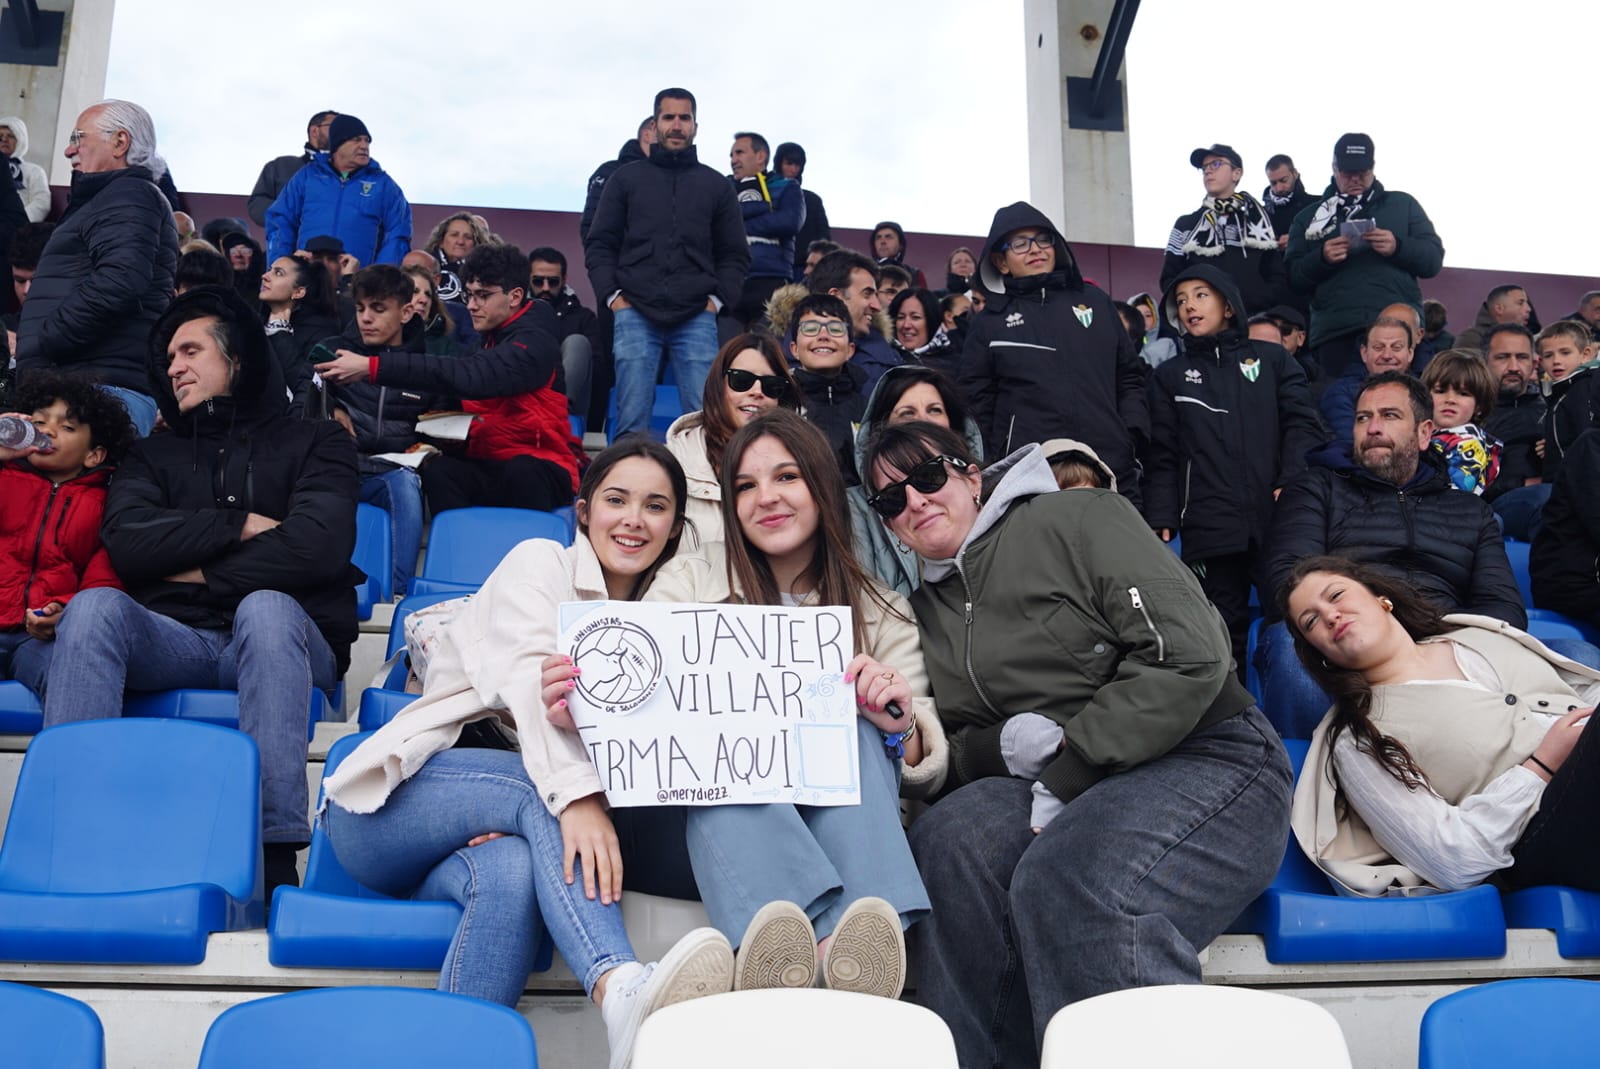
(1124, 888)
(822, 858)
(1521, 511)
(141, 408)
(399, 492)
(108, 643)
(25, 659)
(638, 346)
(510, 889)
(1292, 700)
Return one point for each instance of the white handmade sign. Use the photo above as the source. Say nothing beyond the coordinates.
(714, 704)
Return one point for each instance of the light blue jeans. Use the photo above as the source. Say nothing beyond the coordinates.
(399, 492)
(107, 643)
(637, 349)
(141, 407)
(415, 846)
(822, 858)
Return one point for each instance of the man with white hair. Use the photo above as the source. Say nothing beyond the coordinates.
(105, 275)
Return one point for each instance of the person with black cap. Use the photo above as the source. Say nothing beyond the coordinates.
(1048, 356)
(232, 535)
(345, 193)
(889, 247)
(791, 164)
(276, 173)
(1360, 248)
(1231, 231)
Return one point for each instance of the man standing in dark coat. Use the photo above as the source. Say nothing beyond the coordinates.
(105, 276)
(233, 535)
(791, 160)
(276, 174)
(1285, 196)
(631, 151)
(666, 252)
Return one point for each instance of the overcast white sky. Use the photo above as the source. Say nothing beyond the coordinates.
(915, 113)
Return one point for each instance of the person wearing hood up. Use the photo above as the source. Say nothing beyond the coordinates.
(904, 394)
(790, 160)
(275, 174)
(1113, 798)
(1230, 423)
(1048, 356)
(1229, 230)
(889, 247)
(346, 194)
(233, 535)
(29, 178)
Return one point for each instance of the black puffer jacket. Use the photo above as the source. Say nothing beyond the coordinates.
(1442, 540)
(1230, 422)
(629, 152)
(1048, 358)
(836, 404)
(180, 500)
(104, 278)
(1573, 407)
(1564, 562)
(384, 417)
(1518, 421)
(669, 234)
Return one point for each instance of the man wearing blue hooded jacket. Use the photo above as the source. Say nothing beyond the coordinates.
(343, 193)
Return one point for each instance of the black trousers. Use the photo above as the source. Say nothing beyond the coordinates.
(1558, 844)
(518, 483)
(1227, 581)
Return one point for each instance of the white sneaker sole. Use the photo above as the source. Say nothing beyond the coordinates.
(779, 949)
(867, 953)
(700, 964)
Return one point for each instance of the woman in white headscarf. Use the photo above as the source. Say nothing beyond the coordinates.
(29, 178)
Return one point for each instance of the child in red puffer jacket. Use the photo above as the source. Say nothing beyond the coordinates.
(50, 507)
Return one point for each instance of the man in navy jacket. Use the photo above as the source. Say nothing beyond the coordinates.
(774, 210)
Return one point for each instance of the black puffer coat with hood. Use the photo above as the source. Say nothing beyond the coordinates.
(1230, 422)
(1048, 358)
(180, 500)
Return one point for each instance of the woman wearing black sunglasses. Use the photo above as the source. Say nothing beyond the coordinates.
(748, 378)
(1117, 799)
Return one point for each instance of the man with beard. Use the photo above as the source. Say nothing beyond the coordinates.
(1360, 248)
(1285, 196)
(579, 330)
(276, 174)
(1381, 496)
(1518, 492)
(1506, 303)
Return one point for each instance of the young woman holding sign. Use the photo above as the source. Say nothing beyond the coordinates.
(749, 378)
(438, 805)
(778, 876)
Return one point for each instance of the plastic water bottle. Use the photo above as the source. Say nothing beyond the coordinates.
(18, 433)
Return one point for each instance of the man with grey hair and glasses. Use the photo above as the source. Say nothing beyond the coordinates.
(105, 276)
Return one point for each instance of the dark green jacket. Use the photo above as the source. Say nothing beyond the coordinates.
(1065, 604)
(1348, 296)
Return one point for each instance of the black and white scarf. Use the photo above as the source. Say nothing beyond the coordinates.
(1339, 209)
(1285, 200)
(1210, 235)
(16, 173)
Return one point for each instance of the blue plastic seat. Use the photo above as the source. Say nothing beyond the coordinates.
(396, 1028)
(333, 922)
(219, 707)
(577, 424)
(396, 680)
(1529, 1023)
(1547, 623)
(1572, 914)
(465, 545)
(20, 713)
(1517, 554)
(374, 555)
(131, 841)
(665, 408)
(44, 1030)
(379, 706)
(1302, 920)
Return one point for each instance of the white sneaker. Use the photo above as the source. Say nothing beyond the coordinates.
(867, 953)
(779, 949)
(700, 964)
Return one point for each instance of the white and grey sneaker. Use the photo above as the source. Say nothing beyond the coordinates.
(867, 953)
(700, 964)
(779, 949)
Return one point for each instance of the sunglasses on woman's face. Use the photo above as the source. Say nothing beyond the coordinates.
(928, 477)
(740, 381)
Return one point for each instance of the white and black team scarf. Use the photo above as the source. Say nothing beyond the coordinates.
(1236, 219)
(1339, 209)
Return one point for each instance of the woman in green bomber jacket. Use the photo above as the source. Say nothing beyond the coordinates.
(1115, 798)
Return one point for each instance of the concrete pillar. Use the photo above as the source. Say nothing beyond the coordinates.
(1082, 178)
(49, 98)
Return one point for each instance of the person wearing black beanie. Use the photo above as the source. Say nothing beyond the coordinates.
(345, 128)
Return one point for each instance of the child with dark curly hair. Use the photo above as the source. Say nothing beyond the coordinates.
(51, 497)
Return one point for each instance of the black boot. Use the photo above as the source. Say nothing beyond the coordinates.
(278, 866)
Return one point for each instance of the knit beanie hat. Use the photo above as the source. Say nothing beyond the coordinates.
(343, 129)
